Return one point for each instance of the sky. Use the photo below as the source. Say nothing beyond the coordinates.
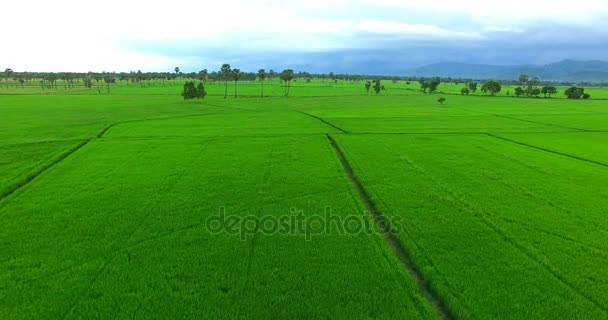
(341, 36)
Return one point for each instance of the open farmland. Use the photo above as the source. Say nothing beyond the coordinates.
(497, 205)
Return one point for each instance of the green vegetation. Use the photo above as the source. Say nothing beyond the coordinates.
(496, 205)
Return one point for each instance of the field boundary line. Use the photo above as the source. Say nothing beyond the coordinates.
(324, 121)
(402, 254)
(563, 154)
(538, 122)
(486, 219)
(32, 176)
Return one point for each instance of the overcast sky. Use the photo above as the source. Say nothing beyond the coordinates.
(371, 36)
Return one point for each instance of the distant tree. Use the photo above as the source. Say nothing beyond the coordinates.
(491, 86)
(202, 75)
(441, 100)
(8, 73)
(193, 92)
(109, 79)
(236, 75)
(473, 86)
(586, 96)
(225, 72)
(433, 84)
(532, 86)
(368, 85)
(377, 86)
(535, 92)
(262, 77)
(519, 92)
(88, 82)
(548, 91)
(424, 85)
(575, 93)
(465, 91)
(286, 76)
(523, 79)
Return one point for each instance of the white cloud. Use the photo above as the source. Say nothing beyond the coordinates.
(78, 35)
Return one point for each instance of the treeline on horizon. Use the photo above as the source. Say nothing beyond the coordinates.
(49, 80)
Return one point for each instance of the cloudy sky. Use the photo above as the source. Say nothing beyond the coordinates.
(366, 36)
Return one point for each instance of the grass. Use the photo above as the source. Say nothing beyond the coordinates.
(498, 204)
(500, 230)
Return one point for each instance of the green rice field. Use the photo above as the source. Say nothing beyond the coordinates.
(332, 203)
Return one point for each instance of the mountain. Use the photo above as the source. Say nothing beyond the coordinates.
(566, 70)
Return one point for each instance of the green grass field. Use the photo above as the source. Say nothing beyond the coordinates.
(497, 205)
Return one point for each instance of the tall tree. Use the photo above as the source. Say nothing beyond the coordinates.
(109, 79)
(236, 75)
(523, 79)
(262, 77)
(8, 73)
(225, 72)
(287, 75)
(202, 75)
(377, 86)
(368, 85)
(532, 85)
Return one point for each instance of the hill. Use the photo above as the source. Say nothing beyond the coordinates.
(566, 70)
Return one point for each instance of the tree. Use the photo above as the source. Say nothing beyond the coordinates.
(532, 86)
(465, 91)
(287, 75)
(8, 73)
(523, 79)
(193, 92)
(519, 92)
(202, 75)
(109, 79)
(236, 75)
(377, 86)
(368, 85)
(548, 91)
(225, 72)
(433, 84)
(424, 85)
(473, 87)
(262, 77)
(535, 92)
(491, 86)
(441, 100)
(575, 93)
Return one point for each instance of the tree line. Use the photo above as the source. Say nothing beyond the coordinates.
(527, 86)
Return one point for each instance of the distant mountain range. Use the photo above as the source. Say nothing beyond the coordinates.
(566, 70)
